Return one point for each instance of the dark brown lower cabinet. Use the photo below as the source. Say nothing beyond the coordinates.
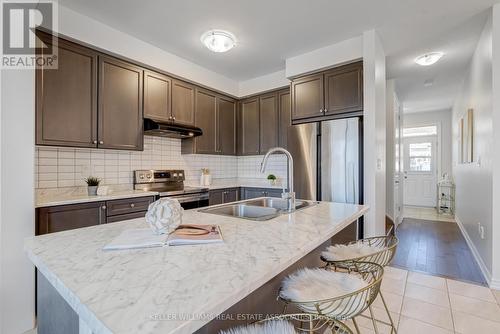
(68, 217)
(249, 193)
(221, 196)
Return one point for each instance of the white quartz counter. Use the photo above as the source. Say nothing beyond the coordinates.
(165, 290)
(240, 182)
(63, 196)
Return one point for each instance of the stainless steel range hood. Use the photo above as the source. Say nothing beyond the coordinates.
(171, 130)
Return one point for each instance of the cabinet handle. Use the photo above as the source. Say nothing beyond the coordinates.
(132, 205)
(103, 207)
(321, 111)
(94, 142)
(101, 142)
(173, 118)
(326, 110)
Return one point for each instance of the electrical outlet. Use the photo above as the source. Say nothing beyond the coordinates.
(480, 230)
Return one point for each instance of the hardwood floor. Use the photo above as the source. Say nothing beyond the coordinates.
(436, 248)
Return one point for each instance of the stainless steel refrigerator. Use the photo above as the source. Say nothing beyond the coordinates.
(328, 160)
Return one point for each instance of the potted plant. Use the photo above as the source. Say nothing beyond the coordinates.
(272, 179)
(92, 184)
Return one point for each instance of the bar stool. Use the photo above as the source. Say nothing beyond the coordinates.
(379, 250)
(336, 295)
(292, 324)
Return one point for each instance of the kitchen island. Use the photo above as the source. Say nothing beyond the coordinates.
(175, 289)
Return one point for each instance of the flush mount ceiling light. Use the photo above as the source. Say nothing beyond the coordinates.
(428, 58)
(218, 40)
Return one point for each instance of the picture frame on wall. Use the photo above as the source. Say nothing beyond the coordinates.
(470, 135)
(461, 141)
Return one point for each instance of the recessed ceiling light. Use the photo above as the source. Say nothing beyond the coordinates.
(218, 40)
(428, 58)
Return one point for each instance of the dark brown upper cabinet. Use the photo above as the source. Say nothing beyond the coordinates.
(249, 127)
(307, 97)
(66, 98)
(206, 119)
(226, 114)
(183, 102)
(285, 120)
(344, 89)
(335, 93)
(269, 121)
(157, 96)
(120, 117)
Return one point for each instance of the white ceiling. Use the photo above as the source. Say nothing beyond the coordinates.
(458, 44)
(269, 31)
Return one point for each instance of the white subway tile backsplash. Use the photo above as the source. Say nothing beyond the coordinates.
(66, 167)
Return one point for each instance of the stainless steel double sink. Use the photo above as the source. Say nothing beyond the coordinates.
(259, 209)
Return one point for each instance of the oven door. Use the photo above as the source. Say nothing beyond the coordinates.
(192, 201)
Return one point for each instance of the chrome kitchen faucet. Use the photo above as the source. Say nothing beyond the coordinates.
(290, 195)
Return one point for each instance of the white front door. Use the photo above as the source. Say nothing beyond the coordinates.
(420, 171)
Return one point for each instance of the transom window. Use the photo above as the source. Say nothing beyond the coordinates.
(420, 131)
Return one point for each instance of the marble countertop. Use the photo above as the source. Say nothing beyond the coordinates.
(63, 196)
(75, 195)
(238, 182)
(164, 290)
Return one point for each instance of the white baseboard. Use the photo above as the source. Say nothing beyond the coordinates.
(493, 283)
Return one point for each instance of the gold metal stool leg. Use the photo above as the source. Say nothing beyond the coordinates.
(356, 326)
(374, 321)
(393, 327)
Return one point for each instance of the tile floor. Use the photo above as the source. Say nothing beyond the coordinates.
(427, 304)
(425, 213)
(422, 303)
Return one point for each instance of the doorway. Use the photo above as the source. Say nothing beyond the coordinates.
(421, 166)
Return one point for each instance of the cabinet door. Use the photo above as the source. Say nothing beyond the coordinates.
(268, 105)
(67, 217)
(230, 195)
(216, 197)
(285, 122)
(249, 127)
(206, 119)
(157, 96)
(226, 113)
(66, 98)
(183, 102)
(249, 193)
(307, 97)
(120, 105)
(344, 89)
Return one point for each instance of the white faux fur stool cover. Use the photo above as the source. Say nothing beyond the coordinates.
(347, 252)
(307, 285)
(268, 327)
(164, 215)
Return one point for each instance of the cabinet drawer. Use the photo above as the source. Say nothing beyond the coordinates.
(129, 205)
(127, 216)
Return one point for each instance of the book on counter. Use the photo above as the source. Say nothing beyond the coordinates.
(183, 235)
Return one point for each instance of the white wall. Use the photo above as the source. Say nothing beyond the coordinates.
(443, 119)
(335, 54)
(263, 83)
(374, 133)
(495, 233)
(474, 199)
(17, 200)
(389, 148)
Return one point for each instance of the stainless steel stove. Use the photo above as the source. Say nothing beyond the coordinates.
(170, 183)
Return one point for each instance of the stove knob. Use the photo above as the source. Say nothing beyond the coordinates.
(175, 174)
(141, 176)
(180, 174)
(148, 176)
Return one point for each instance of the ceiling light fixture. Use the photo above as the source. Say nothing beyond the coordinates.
(218, 40)
(428, 58)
